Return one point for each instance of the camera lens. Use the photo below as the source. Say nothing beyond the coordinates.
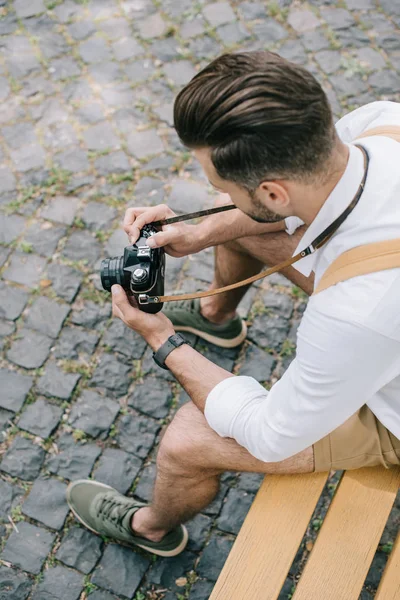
(112, 272)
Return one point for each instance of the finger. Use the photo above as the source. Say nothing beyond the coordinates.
(154, 213)
(120, 302)
(132, 213)
(163, 238)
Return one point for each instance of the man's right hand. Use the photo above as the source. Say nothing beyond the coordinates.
(179, 239)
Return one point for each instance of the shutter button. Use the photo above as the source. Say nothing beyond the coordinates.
(139, 275)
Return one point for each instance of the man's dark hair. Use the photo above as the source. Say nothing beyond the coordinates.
(261, 115)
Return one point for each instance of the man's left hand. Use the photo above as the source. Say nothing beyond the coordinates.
(155, 329)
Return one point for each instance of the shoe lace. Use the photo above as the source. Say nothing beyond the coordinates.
(113, 509)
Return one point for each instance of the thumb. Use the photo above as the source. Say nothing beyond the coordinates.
(120, 299)
(162, 238)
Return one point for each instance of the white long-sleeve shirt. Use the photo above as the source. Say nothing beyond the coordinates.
(348, 342)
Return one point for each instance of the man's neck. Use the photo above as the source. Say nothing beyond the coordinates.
(312, 197)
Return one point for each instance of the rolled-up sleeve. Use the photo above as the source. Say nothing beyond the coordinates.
(339, 365)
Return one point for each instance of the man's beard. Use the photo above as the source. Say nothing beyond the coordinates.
(261, 214)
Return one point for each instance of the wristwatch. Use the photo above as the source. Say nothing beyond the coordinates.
(174, 341)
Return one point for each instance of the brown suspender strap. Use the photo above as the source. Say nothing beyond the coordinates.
(361, 261)
(369, 258)
(391, 131)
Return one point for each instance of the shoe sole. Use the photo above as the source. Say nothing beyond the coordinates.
(217, 341)
(164, 553)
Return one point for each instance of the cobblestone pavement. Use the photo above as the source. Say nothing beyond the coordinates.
(86, 90)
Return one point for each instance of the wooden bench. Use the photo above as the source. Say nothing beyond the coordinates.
(336, 569)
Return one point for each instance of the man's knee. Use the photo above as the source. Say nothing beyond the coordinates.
(182, 444)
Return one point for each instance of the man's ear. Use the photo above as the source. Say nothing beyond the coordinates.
(274, 194)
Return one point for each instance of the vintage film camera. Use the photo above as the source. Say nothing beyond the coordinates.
(139, 271)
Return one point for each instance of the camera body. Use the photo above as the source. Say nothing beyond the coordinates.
(140, 270)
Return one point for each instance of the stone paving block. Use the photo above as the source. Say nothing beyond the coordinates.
(65, 280)
(82, 245)
(120, 570)
(23, 459)
(384, 82)
(4, 253)
(46, 503)
(121, 94)
(30, 9)
(55, 382)
(28, 157)
(166, 571)
(103, 595)
(19, 134)
(74, 461)
(101, 137)
(214, 556)
(15, 585)
(269, 32)
(337, 18)
(12, 301)
(149, 187)
(112, 375)
(144, 488)
(152, 27)
(250, 482)
(370, 58)
(40, 418)
(257, 364)
(219, 13)
(74, 342)
(80, 549)
(199, 528)
(74, 160)
(115, 28)
(142, 144)
(234, 510)
(301, 20)
(250, 11)
(348, 85)
(201, 590)
(61, 209)
(5, 420)
(329, 60)
(59, 583)
(63, 68)
(179, 72)
(149, 367)
(118, 469)
(136, 434)
(127, 48)
(215, 506)
(11, 227)
(278, 303)
(233, 33)
(165, 113)
(44, 237)
(93, 414)
(25, 269)
(14, 388)
(91, 315)
(97, 216)
(81, 30)
(153, 397)
(91, 113)
(7, 179)
(10, 496)
(191, 29)
(29, 548)
(47, 316)
(269, 332)
(116, 162)
(119, 338)
(53, 45)
(188, 195)
(94, 50)
(106, 72)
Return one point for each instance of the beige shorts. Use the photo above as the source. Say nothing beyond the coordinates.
(362, 441)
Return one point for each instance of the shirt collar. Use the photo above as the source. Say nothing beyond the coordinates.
(334, 205)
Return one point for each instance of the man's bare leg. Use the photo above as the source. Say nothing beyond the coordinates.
(243, 258)
(190, 460)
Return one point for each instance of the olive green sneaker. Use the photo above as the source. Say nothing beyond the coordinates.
(186, 316)
(106, 512)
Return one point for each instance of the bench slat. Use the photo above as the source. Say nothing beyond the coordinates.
(389, 588)
(346, 544)
(269, 538)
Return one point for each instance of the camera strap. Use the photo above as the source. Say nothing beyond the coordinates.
(317, 243)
